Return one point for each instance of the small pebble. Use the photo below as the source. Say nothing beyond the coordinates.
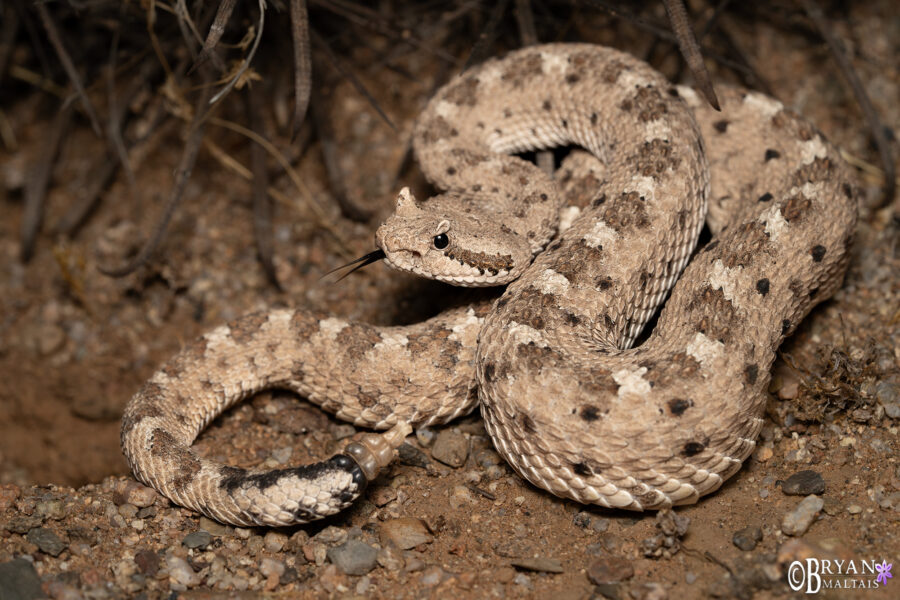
(803, 483)
(139, 495)
(461, 496)
(610, 570)
(763, 453)
(451, 448)
(854, 509)
(180, 572)
(383, 495)
(46, 540)
(798, 520)
(353, 557)
(391, 558)
(274, 541)
(18, 579)
(690, 578)
(331, 535)
(523, 580)
(282, 455)
(197, 539)
(214, 528)
(412, 456)
(888, 395)
(540, 564)
(747, 538)
(425, 436)
(271, 568)
(432, 576)
(147, 562)
(405, 533)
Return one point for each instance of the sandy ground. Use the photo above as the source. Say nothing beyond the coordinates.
(74, 345)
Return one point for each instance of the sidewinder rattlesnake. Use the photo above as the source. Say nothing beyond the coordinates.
(567, 401)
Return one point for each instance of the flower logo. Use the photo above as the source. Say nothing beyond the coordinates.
(884, 572)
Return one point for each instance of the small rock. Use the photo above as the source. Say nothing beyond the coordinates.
(451, 448)
(19, 581)
(650, 591)
(504, 574)
(139, 495)
(51, 509)
(763, 453)
(610, 570)
(747, 538)
(487, 458)
(180, 572)
(197, 539)
(667, 542)
(214, 528)
(854, 509)
(540, 564)
(147, 562)
(353, 557)
(425, 436)
(274, 541)
(331, 535)
(803, 483)
(412, 456)
(46, 540)
(888, 395)
(405, 533)
(383, 495)
(522, 580)
(391, 558)
(432, 576)
(282, 455)
(22, 524)
(271, 569)
(798, 520)
(461, 496)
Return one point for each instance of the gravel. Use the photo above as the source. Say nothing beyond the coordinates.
(197, 539)
(747, 538)
(610, 570)
(354, 557)
(451, 448)
(405, 533)
(798, 520)
(47, 541)
(540, 564)
(19, 581)
(804, 483)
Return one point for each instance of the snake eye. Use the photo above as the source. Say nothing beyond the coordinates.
(441, 240)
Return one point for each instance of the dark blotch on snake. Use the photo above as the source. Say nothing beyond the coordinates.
(762, 286)
(677, 406)
(751, 372)
(817, 252)
(589, 413)
(693, 448)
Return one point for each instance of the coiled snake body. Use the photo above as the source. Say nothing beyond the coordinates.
(567, 401)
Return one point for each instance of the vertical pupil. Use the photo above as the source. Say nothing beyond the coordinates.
(441, 241)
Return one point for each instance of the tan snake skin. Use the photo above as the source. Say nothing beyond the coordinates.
(567, 403)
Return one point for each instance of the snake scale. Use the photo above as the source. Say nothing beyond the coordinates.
(566, 399)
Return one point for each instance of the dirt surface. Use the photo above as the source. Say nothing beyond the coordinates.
(450, 518)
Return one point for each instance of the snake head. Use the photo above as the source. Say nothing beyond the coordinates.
(440, 241)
